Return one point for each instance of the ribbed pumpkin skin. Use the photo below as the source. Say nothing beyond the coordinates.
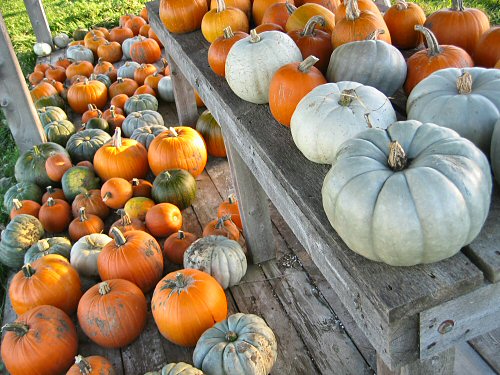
(115, 319)
(218, 50)
(92, 202)
(184, 309)
(81, 94)
(59, 131)
(145, 134)
(49, 114)
(139, 260)
(401, 20)
(141, 102)
(180, 147)
(136, 120)
(211, 132)
(182, 16)
(53, 282)
(27, 207)
(84, 254)
(487, 53)
(215, 354)
(100, 366)
(163, 219)
(175, 186)
(447, 174)
(78, 179)
(299, 18)
(56, 245)
(179, 368)
(230, 207)
(216, 20)
(21, 191)
(495, 151)
(51, 331)
(83, 145)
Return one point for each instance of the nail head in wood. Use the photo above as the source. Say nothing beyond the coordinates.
(446, 326)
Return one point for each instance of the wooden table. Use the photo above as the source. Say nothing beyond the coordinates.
(413, 316)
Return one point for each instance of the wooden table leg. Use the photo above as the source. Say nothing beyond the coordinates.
(254, 207)
(184, 96)
(440, 364)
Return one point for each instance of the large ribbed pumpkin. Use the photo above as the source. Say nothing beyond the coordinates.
(81, 94)
(180, 147)
(84, 254)
(182, 16)
(185, 303)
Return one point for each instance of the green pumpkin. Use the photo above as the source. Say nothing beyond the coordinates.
(51, 113)
(46, 246)
(104, 79)
(137, 120)
(175, 186)
(59, 131)
(19, 235)
(141, 102)
(83, 145)
(146, 134)
(97, 123)
(77, 180)
(50, 101)
(79, 33)
(30, 167)
(22, 191)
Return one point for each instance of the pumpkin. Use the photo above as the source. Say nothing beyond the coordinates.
(194, 315)
(146, 134)
(80, 53)
(84, 254)
(84, 144)
(91, 112)
(218, 50)
(176, 186)
(43, 89)
(64, 62)
(138, 103)
(123, 19)
(92, 202)
(115, 192)
(216, 20)
(367, 5)
(145, 51)
(163, 219)
(125, 158)
(401, 19)
(21, 191)
(144, 31)
(79, 68)
(335, 112)
(107, 114)
(141, 188)
(259, 56)
(487, 53)
(357, 25)
(134, 256)
(166, 89)
(56, 73)
(17, 237)
(110, 51)
(27, 207)
(94, 43)
(77, 180)
(54, 245)
(53, 100)
(143, 71)
(221, 257)
(97, 123)
(85, 224)
(94, 364)
(49, 114)
(137, 207)
(471, 94)
(55, 215)
(435, 57)
(371, 62)
(152, 81)
(59, 131)
(447, 174)
(41, 67)
(182, 16)
(36, 77)
(152, 35)
(312, 41)
(120, 33)
(179, 368)
(175, 246)
(144, 89)
(211, 132)
(289, 85)
(222, 227)
(137, 120)
(42, 49)
(49, 280)
(61, 40)
(126, 46)
(25, 343)
(259, 7)
(56, 165)
(277, 14)
(299, 17)
(244, 339)
(113, 313)
(81, 94)
(495, 151)
(55, 193)
(30, 167)
(125, 86)
(125, 224)
(135, 23)
(458, 26)
(179, 147)
(230, 207)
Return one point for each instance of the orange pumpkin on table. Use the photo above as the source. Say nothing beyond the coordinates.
(182, 16)
(55, 215)
(163, 219)
(81, 94)
(176, 245)
(216, 20)
(115, 192)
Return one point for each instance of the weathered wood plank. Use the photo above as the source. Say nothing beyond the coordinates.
(441, 364)
(460, 319)
(468, 361)
(15, 99)
(39, 21)
(488, 347)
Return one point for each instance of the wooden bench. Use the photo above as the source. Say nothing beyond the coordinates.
(413, 316)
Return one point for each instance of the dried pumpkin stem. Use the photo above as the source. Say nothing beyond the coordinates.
(83, 215)
(457, 5)
(28, 271)
(51, 202)
(221, 6)
(306, 65)
(135, 182)
(120, 239)
(17, 204)
(50, 190)
(375, 33)
(310, 28)
(232, 199)
(20, 329)
(43, 245)
(107, 196)
(290, 8)
(173, 132)
(433, 48)
(228, 33)
(254, 37)
(83, 365)
(464, 83)
(397, 157)
(104, 288)
(180, 235)
(352, 10)
(346, 97)
(180, 282)
(231, 336)
(117, 138)
(402, 5)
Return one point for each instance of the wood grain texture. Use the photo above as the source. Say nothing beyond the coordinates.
(468, 361)
(441, 364)
(15, 99)
(39, 21)
(488, 347)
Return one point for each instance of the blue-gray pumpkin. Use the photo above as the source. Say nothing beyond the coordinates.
(59, 131)
(137, 120)
(141, 102)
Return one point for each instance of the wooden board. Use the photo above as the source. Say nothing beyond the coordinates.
(488, 347)
(39, 21)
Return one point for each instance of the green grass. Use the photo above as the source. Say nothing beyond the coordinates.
(491, 7)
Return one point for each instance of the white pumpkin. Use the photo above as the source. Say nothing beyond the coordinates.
(404, 210)
(335, 112)
(127, 70)
(252, 62)
(371, 62)
(61, 40)
(495, 151)
(465, 100)
(127, 44)
(42, 49)
(80, 53)
(166, 89)
(84, 254)
(179, 368)
(218, 256)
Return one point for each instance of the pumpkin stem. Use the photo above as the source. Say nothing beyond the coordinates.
(104, 288)
(17, 204)
(117, 138)
(347, 96)
(375, 33)
(135, 182)
(20, 329)
(164, 62)
(50, 190)
(306, 65)
(254, 37)
(231, 336)
(464, 83)
(28, 271)
(221, 6)
(120, 239)
(402, 5)
(180, 282)
(173, 132)
(352, 10)
(457, 5)
(397, 157)
(83, 365)
(232, 199)
(290, 7)
(433, 48)
(83, 215)
(228, 33)
(309, 29)
(92, 107)
(180, 235)
(42, 245)
(106, 196)
(51, 202)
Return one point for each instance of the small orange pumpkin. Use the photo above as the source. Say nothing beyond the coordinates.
(222, 227)
(216, 20)
(145, 51)
(125, 224)
(219, 49)
(125, 86)
(176, 245)
(54, 193)
(141, 188)
(92, 365)
(56, 165)
(135, 23)
(119, 34)
(81, 94)
(143, 71)
(84, 224)
(115, 192)
(163, 219)
(230, 207)
(110, 51)
(26, 206)
(55, 215)
(401, 19)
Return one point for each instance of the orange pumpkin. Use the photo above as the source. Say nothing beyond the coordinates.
(55, 215)
(222, 227)
(497, 65)
(259, 7)
(145, 89)
(331, 5)
(84, 224)
(110, 51)
(299, 17)
(340, 10)
(135, 23)
(36, 77)
(268, 27)
(141, 188)
(115, 192)
(144, 30)
(94, 43)
(54, 193)
(41, 67)
(219, 49)
(198, 300)
(115, 118)
(26, 206)
(277, 13)
(182, 16)
(113, 313)
(176, 245)
(487, 52)
(134, 256)
(50, 280)
(144, 71)
(63, 62)
(119, 34)
(119, 100)
(216, 20)
(103, 30)
(92, 202)
(144, 14)
(152, 35)
(125, 86)
(81, 94)
(108, 113)
(123, 19)
(137, 207)
(56, 165)
(93, 365)
(163, 219)
(145, 51)
(401, 19)
(230, 207)
(41, 90)
(181, 147)
(90, 113)
(125, 224)
(56, 73)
